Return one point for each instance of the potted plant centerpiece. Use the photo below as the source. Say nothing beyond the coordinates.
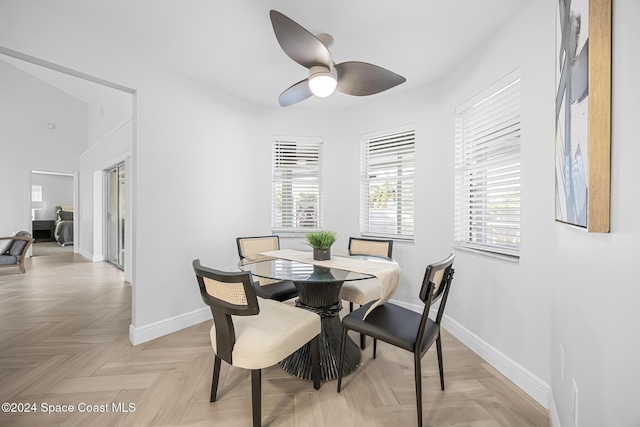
(321, 242)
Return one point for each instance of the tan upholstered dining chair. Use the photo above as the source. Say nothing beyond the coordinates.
(249, 248)
(251, 335)
(404, 328)
(364, 291)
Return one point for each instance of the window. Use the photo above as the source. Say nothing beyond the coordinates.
(36, 193)
(297, 185)
(487, 164)
(37, 205)
(387, 184)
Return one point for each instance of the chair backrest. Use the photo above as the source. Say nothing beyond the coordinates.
(19, 246)
(435, 286)
(249, 247)
(365, 246)
(226, 293)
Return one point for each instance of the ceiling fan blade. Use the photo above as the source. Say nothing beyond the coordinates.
(301, 46)
(361, 79)
(296, 93)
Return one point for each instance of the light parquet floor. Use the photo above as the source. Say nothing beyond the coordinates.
(50, 248)
(64, 341)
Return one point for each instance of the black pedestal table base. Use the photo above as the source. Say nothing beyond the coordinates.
(323, 298)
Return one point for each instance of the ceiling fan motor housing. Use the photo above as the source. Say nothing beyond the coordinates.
(322, 80)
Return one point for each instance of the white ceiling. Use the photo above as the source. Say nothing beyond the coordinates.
(230, 44)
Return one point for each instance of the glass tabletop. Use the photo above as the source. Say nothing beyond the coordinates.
(284, 269)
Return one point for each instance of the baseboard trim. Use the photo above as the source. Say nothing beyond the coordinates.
(553, 411)
(86, 254)
(91, 257)
(523, 378)
(158, 329)
(519, 375)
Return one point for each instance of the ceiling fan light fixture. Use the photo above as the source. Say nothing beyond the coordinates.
(355, 78)
(322, 81)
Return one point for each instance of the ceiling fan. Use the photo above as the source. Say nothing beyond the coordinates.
(353, 77)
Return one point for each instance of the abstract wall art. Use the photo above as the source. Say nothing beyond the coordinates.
(583, 113)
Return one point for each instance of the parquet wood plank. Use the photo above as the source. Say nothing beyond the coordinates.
(362, 410)
(20, 379)
(64, 340)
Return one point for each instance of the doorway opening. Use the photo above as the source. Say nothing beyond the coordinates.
(52, 207)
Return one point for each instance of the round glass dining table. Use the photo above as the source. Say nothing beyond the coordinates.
(318, 291)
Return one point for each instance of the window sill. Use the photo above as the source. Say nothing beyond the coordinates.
(388, 236)
(289, 234)
(503, 257)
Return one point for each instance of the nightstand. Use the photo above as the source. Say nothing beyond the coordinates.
(43, 230)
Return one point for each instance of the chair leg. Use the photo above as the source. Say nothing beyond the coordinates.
(375, 347)
(363, 337)
(440, 367)
(343, 351)
(216, 377)
(256, 397)
(418, 374)
(315, 362)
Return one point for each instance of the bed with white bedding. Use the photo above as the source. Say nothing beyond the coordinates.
(63, 231)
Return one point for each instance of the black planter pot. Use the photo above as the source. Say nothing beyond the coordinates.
(322, 254)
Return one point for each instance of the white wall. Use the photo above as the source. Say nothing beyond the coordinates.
(571, 288)
(26, 105)
(506, 304)
(113, 125)
(114, 148)
(194, 189)
(594, 308)
(340, 168)
(107, 111)
(433, 225)
(501, 305)
(192, 183)
(557, 293)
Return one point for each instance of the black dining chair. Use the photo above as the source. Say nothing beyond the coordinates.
(406, 329)
(253, 336)
(249, 248)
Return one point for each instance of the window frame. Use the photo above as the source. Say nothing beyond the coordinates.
(489, 183)
(406, 231)
(316, 146)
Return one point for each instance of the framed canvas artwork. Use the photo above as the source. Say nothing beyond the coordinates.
(583, 113)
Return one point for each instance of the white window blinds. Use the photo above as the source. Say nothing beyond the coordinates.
(296, 185)
(387, 184)
(36, 193)
(487, 163)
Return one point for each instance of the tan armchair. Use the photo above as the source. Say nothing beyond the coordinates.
(364, 291)
(253, 335)
(15, 252)
(250, 248)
